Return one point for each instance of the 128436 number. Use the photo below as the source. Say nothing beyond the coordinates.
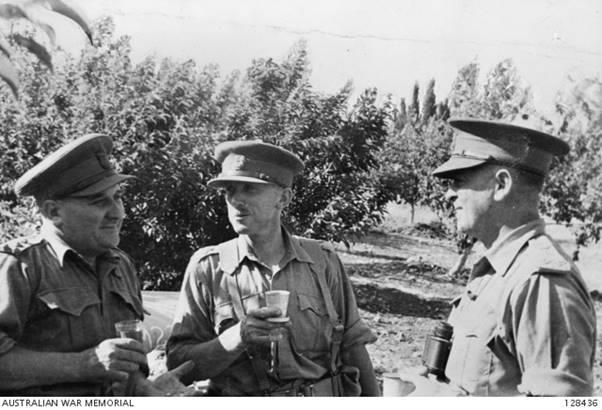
(581, 402)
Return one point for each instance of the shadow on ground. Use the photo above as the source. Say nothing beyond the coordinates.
(370, 254)
(376, 299)
(405, 272)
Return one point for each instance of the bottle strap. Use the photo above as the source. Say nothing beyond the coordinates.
(319, 269)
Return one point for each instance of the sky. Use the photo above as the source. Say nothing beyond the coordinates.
(387, 44)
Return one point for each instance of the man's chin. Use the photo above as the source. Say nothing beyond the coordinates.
(239, 228)
(110, 243)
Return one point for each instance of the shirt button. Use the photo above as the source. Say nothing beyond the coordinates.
(471, 295)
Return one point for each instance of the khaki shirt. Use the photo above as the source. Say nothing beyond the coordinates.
(525, 322)
(53, 301)
(205, 310)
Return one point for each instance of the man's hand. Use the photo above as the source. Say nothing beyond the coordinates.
(253, 330)
(167, 384)
(256, 330)
(113, 360)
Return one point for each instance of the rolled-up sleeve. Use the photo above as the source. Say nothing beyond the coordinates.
(15, 295)
(555, 330)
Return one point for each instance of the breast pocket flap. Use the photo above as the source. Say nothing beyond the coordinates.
(313, 303)
(70, 300)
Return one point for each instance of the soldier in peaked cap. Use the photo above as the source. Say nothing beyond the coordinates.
(222, 323)
(63, 290)
(525, 324)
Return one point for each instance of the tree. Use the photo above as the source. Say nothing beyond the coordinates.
(414, 109)
(165, 119)
(400, 117)
(464, 94)
(27, 33)
(413, 150)
(573, 192)
(429, 106)
(505, 95)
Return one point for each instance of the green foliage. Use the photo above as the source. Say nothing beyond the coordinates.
(26, 27)
(573, 193)
(17, 221)
(463, 98)
(417, 143)
(429, 107)
(504, 96)
(339, 146)
(165, 119)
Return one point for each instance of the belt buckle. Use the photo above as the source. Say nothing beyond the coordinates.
(308, 390)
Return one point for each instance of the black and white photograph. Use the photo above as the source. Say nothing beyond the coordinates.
(204, 200)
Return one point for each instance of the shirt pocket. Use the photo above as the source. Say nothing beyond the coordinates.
(472, 358)
(65, 325)
(70, 300)
(311, 327)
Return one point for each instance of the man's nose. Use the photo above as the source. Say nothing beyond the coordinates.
(117, 210)
(450, 195)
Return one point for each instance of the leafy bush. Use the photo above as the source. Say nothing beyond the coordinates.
(165, 119)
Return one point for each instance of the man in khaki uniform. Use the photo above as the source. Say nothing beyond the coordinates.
(525, 323)
(220, 323)
(63, 290)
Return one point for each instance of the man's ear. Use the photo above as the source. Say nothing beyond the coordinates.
(286, 197)
(50, 209)
(503, 184)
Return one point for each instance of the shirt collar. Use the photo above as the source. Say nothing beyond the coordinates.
(242, 250)
(58, 245)
(504, 250)
(50, 234)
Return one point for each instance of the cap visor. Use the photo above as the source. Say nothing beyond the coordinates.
(541, 139)
(102, 185)
(456, 164)
(220, 181)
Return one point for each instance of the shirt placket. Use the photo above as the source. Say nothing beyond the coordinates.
(104, 269)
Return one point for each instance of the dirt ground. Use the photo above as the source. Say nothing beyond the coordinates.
(402, 290)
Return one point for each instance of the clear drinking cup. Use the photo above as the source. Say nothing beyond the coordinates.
(279, 299)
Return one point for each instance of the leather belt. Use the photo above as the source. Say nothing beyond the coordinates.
(329, 387)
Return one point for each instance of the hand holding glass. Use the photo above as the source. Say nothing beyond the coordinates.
(134, 329)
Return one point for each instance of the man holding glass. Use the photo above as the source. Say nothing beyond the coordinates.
(314, 343)
(62, 291)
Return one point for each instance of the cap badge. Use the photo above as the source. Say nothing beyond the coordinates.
(103, 160)
(238, 162)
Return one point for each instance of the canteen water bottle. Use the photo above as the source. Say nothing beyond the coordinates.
(437, 348)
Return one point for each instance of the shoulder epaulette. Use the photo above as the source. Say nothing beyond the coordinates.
(17, 246)
(327, 246)
(545, 256)
(204, 253)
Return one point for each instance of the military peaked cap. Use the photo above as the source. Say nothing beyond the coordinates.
(257, 162)
(481, 142)
(79, 168)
